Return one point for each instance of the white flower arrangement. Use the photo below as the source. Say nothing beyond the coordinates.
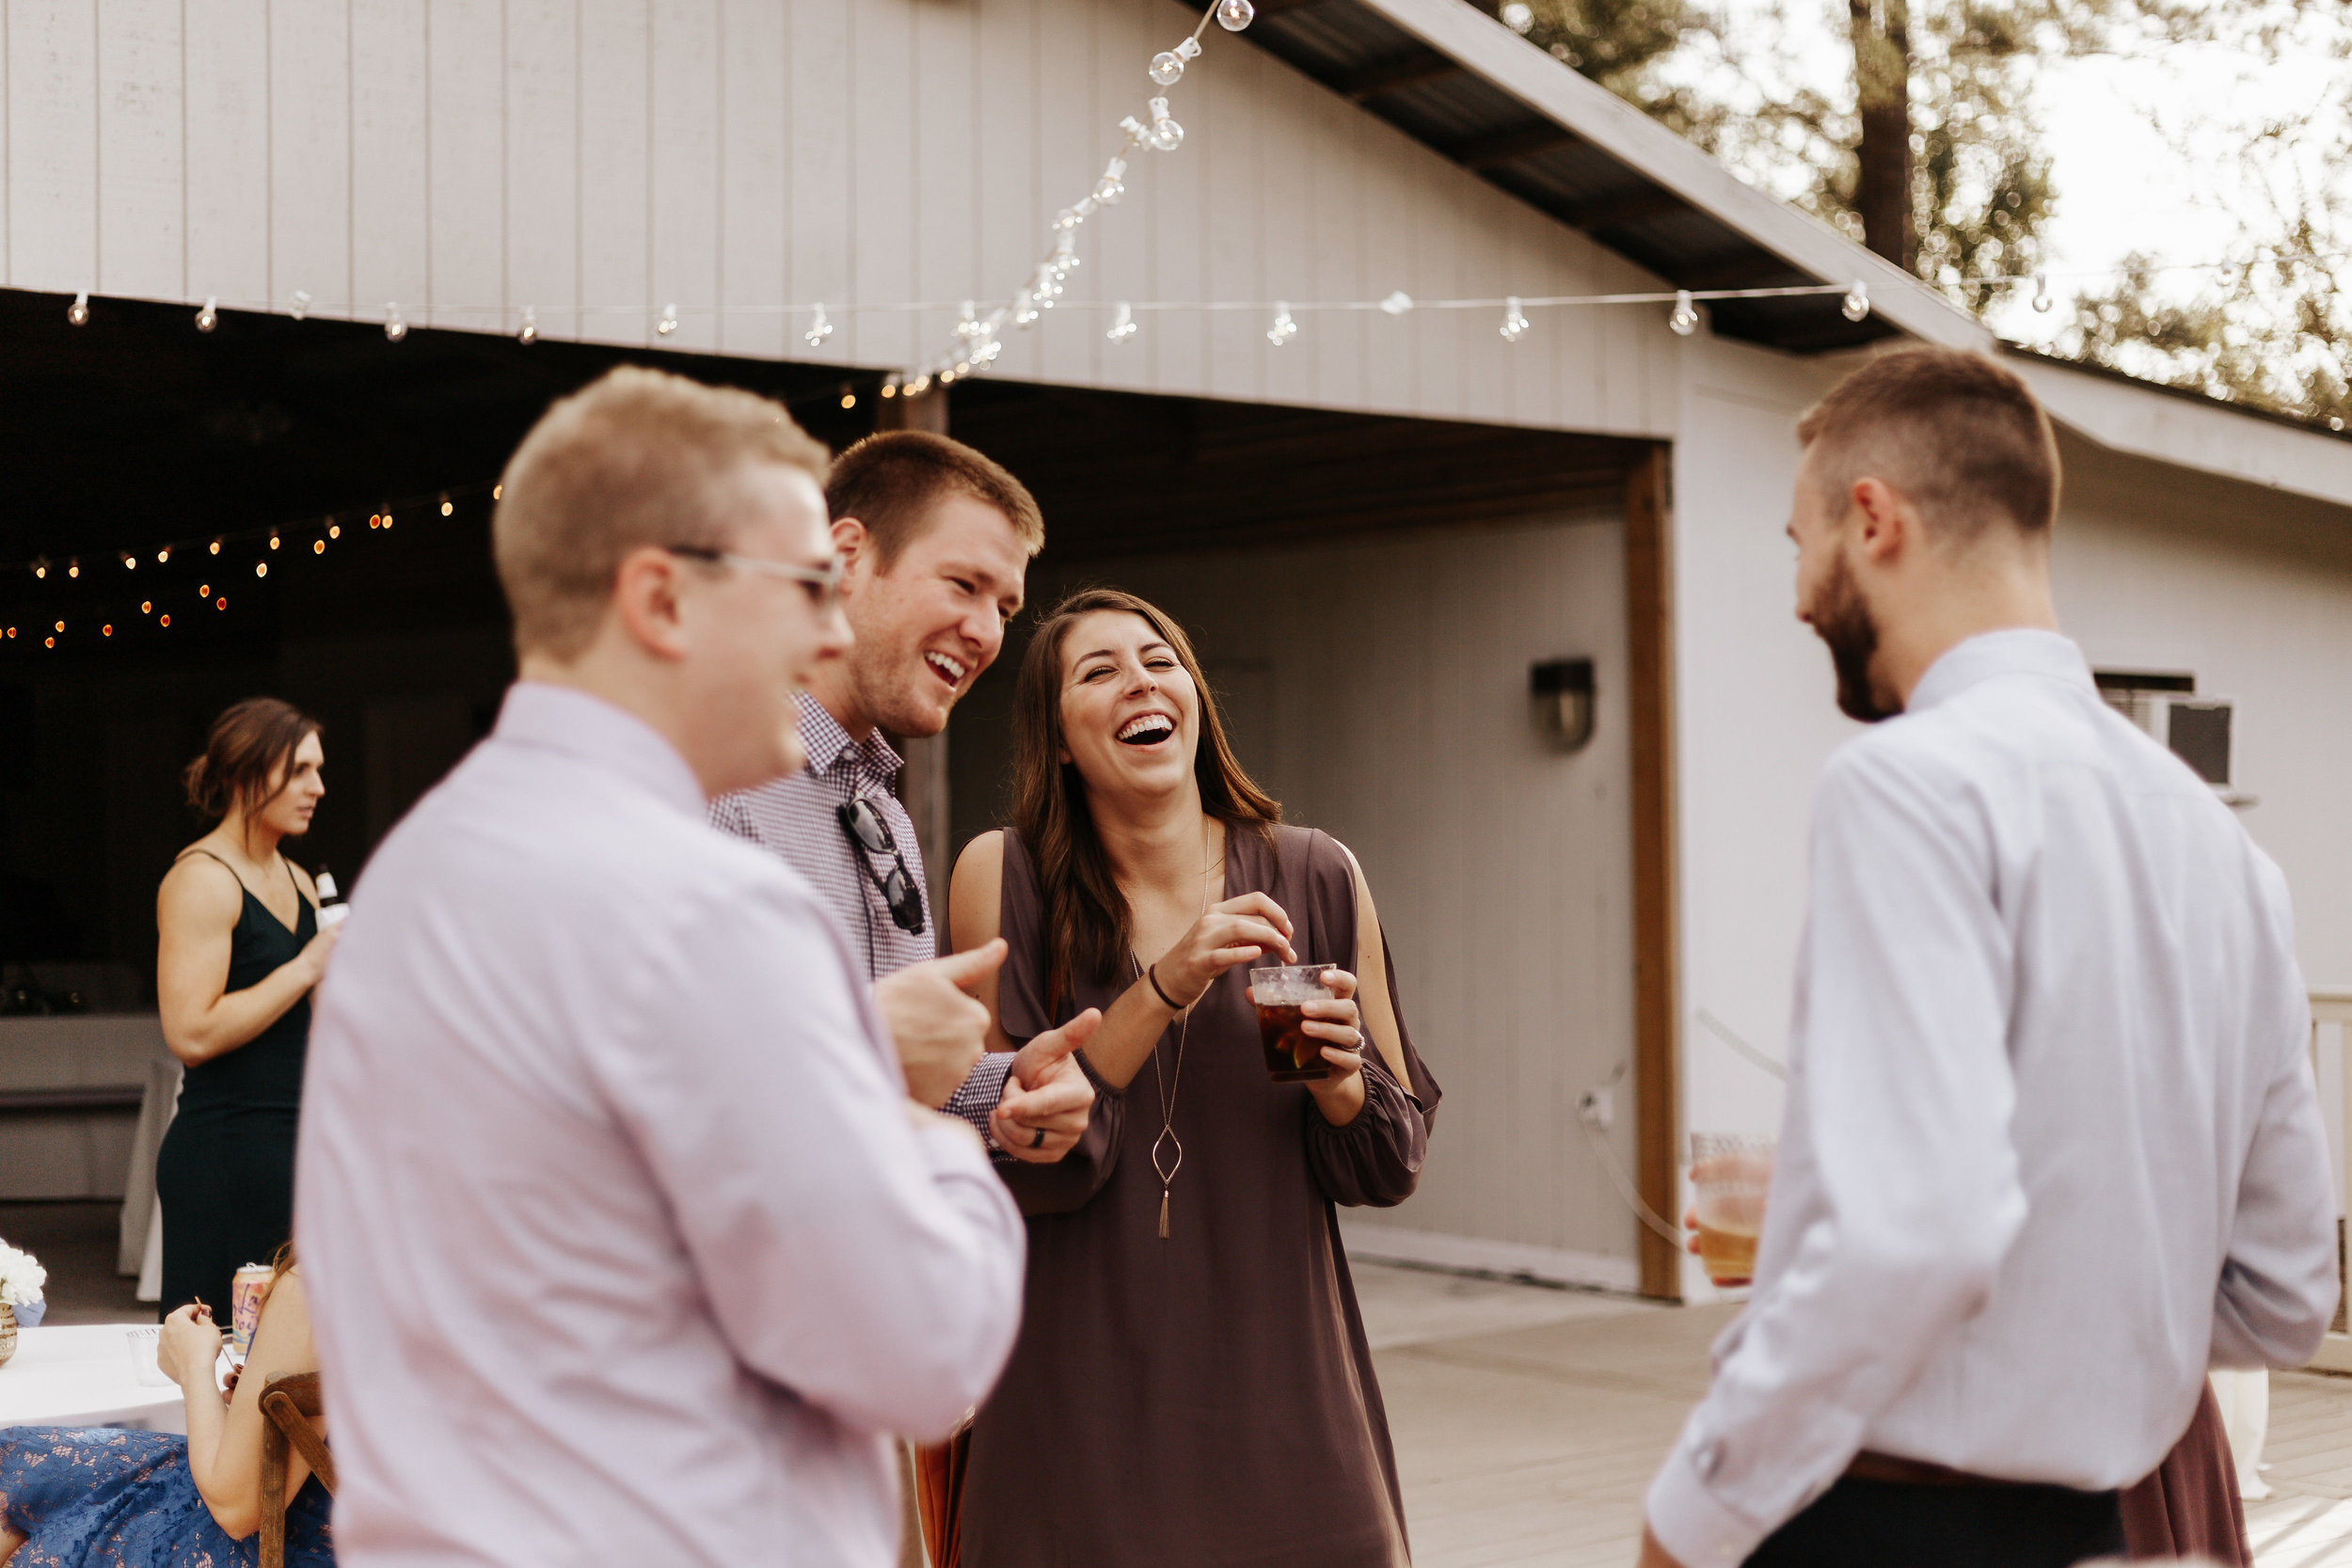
(21, 1278)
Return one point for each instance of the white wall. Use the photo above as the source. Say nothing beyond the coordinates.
(599, 159)
(2155, 568)
(1379, 690)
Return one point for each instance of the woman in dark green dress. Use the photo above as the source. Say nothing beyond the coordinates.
(239, 951)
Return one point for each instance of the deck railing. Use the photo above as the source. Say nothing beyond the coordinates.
(2335, 1007)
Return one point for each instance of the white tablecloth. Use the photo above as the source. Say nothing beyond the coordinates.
(89, 1375)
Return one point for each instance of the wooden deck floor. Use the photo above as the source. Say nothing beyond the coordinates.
(1528, 1424)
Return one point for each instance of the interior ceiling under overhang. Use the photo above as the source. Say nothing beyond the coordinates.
(1357, 52)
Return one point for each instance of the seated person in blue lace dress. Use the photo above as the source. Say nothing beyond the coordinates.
(103, 1497)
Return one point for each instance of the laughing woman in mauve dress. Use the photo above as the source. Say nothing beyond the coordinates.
(1191, 1358)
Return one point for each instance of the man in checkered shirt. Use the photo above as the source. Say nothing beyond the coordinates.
(935, 539)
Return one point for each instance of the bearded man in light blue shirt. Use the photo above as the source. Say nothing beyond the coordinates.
(2052, 1146)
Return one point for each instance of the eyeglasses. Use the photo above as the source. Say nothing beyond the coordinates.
(869, 833)
(822, 582)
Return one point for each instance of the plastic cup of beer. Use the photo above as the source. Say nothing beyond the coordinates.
(1279, 992)
(1730, 1175)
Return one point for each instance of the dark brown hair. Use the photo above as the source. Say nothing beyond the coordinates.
(631, 459)
(1961, 436)
(1087, 918)
(249, 743)
(890, 482)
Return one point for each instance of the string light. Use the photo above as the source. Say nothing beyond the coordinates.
(209, 317)
(668, 323)
(387, 517)
(78, 313)
(395, 328)
(318, 546)
(147, 607)
(890, 386)
(2041, 292)
(849, 398)
(72, 568)
(1234, 15)
(163, 555)
(261, 568)
(819, 327)
(221, 603)
(1514, 321)
(1396, 304)
(1856, 305)
(107, 630)
(1685, 318)
(448, 506)
(163, 620)
(203, 590)
(1123, 325)
(300, 307)
(528, 333)
(334, 530)
(215, 547)
(1283, 329)
(41, 569)
(129, 562)
(273, 538)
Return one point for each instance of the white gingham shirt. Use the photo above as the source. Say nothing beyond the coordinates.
(792, 818)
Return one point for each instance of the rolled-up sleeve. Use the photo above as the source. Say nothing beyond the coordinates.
(868, 1264)
(1904, 1094)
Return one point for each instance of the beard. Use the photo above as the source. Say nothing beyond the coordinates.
(1843, 620)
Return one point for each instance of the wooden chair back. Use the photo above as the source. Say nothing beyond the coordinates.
(291, 1407)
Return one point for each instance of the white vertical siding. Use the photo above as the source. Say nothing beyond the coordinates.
(600, 159)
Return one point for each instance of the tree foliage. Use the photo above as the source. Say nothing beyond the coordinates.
(1981, 187)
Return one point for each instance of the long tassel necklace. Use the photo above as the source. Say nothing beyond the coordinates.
(1166, 1084)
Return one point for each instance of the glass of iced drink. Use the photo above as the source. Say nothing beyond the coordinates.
(1730, 1175)
(1279, 992)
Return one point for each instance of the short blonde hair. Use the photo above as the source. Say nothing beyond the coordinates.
(628, 461)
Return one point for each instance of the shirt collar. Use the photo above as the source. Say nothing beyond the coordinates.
(579, 725)
(2019, 651)
(823, 738)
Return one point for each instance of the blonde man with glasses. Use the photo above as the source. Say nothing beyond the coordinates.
(627, 1243)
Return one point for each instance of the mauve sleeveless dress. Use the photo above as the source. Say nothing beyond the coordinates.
(1207, 1401)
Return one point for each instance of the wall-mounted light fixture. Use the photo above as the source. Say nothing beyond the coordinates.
(1563, 693)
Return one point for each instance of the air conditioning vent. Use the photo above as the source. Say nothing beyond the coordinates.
(2201, 731)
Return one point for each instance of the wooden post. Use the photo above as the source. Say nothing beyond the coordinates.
(923, 786)
(1657, 1009)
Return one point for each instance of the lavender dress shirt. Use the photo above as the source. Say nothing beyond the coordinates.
(621, 1246)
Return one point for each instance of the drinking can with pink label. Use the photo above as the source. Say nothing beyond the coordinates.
(245, 1304)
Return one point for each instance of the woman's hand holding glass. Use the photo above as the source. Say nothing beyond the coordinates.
(189, 1346)
(1340, 1025)
(1227, 935)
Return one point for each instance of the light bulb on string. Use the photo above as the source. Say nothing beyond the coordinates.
(41, 568)
(215, 547)
(147, 607)
(1283, 329)
(300, 307)
(920, 385)
(890, 386)
(107, 630)
(819, 327)
(668, 323)
(498, 492)
(387, 517)
(989, 348)
(1685, 318)
(1234, 15)
(1514, 321)
(448, 506)
(334, 531)
(163, 620)
(129, 562)
(61, 626)
(273, 538)
(1165, 135)
(1856, 305)
(72, 568)
(2227, 276)
(849, 398)
(163, 555)
(1396, 304)
(967, 323)
(528, 333)
(1025, 310)
(1167, 66)
(261, 568)
(2041, 292)
(318, 546)
(78, 313)
(221, 603)
(203, 590)
(1122, 323)
(1109, 189)
(209, 317)
(395, 327)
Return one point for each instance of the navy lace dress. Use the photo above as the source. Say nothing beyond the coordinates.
(103, 1497)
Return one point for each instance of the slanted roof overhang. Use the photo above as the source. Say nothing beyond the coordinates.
(1453, 77)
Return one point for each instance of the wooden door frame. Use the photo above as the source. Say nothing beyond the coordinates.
(1657, 981)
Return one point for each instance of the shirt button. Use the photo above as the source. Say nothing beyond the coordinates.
(1708, 1455)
